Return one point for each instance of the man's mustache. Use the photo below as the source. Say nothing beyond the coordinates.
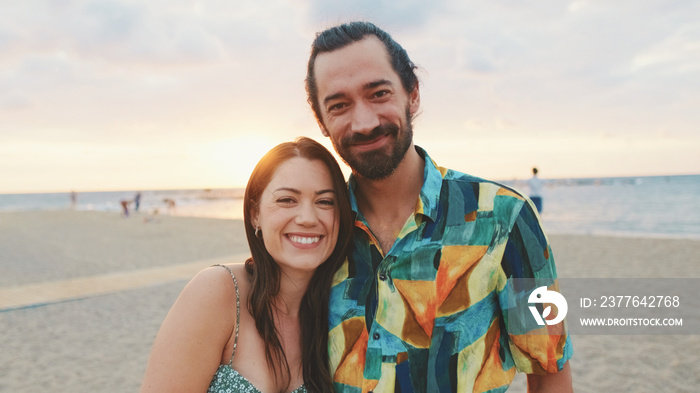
(379, 131)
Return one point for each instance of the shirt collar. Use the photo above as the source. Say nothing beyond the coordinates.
(429, 194)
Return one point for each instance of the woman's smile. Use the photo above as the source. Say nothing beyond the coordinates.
(304, 241)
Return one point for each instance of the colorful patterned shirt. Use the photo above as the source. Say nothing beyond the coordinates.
(431, 315)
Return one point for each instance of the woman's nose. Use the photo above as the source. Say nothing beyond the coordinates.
(306, 215)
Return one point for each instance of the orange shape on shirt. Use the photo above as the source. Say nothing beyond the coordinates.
(352, 363)
(456, 263)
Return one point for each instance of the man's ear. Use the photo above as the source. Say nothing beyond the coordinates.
(414, 100)
(324, 131)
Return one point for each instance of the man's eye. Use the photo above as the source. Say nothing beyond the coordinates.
(381, 93)
(336, 107)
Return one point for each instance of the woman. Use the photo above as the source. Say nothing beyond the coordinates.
(298, 224)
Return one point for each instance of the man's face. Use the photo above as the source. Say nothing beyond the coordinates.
(364, 108)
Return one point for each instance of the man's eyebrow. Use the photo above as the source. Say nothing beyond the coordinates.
(381, 82)
(333, 97)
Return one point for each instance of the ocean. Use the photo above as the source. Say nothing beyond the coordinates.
(653, 206)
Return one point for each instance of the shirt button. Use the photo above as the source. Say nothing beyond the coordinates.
(376, 336)
(382, 276)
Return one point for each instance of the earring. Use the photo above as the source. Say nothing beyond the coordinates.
(257, 233)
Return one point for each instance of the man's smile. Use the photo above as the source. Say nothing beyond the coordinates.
(371, 144)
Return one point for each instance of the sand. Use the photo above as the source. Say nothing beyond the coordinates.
(99, 338)
(629, 363)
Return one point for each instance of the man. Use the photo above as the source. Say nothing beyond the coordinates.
(535, 185)
(420, 304)
(137, 201)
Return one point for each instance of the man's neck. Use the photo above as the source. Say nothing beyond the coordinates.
(387, 203)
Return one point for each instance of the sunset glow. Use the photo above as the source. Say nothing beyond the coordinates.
(113, 95)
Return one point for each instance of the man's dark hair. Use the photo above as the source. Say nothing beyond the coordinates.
(340, 36)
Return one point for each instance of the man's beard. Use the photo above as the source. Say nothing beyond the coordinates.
(377, 164)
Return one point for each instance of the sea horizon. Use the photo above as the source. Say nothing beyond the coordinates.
(629, 206)
(510, 181)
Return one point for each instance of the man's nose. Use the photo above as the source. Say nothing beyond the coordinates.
(364, 118)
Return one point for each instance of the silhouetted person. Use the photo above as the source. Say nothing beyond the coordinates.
(536, 190)
(125, 207)
(170, 204)
(137, 201)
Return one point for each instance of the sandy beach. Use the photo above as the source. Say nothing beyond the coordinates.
(128, 272)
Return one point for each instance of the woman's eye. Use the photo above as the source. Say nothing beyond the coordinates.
(285, 200)
(326, 202)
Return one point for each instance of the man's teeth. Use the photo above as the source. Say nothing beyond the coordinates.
(305, 240)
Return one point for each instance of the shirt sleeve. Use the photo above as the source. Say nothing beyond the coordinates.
(527, 264)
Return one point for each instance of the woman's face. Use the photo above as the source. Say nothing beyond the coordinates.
(298, 215)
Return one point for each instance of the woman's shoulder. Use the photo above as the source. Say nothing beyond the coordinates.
(222, 280)
(196, 335)
(236, 272)
(214, 284)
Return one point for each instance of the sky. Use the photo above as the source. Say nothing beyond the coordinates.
(171, 94)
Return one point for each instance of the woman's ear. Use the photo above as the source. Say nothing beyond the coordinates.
(255, 219)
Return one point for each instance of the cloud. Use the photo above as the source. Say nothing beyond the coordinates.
(115, 69)
(6, 39)
(138, 33)
(14, 101)
(555, 68)
(156, 33)
(177, 72)
(390, 15)
(679, 54)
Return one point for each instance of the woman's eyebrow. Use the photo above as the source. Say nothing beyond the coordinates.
(296, 191)
(290, 189)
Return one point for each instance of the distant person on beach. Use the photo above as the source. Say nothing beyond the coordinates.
(137, 201)
(125, 207)
(420, 304)
(73, 199)
(170, 205)
(535, 185)
(262, 326)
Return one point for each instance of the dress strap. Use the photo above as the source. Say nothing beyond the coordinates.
(238, 312)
